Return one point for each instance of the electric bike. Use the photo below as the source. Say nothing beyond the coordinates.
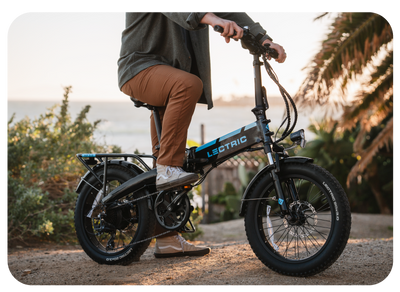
(296, 214)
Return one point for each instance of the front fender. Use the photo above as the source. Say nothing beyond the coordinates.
(131, 166)
(268, 168)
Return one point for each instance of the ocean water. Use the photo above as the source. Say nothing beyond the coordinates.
(127, 126)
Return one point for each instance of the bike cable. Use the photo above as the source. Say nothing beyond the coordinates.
(286, 98)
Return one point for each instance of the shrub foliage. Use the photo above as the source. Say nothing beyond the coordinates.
(43, 171)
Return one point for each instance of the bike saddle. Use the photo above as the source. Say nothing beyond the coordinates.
(138, 103)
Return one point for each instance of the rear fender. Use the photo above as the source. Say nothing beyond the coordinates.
(268, 168)
(147, 178)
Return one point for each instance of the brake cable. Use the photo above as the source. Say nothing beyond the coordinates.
(253, 45)
(286, 96)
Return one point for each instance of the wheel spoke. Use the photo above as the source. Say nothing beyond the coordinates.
(299, 236)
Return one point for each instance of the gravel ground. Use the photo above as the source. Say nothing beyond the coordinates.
(366, 260)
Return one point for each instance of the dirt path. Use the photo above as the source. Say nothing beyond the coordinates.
(367, 260)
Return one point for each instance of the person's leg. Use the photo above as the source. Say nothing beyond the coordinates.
(176, 93)
(183, 90)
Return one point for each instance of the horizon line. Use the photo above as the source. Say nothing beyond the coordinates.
(219, 98)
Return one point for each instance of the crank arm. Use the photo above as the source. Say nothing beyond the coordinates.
(174, 201)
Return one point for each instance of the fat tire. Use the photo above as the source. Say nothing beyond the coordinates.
(338, 236)
(145, 228)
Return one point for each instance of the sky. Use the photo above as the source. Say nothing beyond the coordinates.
(47, 51)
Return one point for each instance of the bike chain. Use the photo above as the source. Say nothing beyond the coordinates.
(137, 242)
(143, 240)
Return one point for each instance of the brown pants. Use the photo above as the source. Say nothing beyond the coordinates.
(175, 93)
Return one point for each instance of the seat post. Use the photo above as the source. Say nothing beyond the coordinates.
(156, 116)
(157, 122)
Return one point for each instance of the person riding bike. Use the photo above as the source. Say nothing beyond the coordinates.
(165, 62)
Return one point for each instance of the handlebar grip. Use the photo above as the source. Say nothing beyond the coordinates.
(220, 29)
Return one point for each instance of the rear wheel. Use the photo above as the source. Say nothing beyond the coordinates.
(115, 235)
(315, 233)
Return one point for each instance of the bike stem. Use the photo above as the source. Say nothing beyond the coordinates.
(262, 121)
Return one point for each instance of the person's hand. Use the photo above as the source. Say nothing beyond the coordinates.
(230, 27)
(280, 50)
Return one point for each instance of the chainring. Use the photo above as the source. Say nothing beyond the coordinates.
(172, 209)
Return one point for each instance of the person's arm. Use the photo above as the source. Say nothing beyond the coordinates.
(189, 20)
(242, 19)
(229, 26)
(199, 20)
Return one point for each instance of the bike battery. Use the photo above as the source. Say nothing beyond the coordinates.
(228, 144)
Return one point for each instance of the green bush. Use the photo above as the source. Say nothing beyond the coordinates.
(43, 171)
(230, 199)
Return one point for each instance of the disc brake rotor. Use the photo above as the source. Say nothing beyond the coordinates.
(306, 216)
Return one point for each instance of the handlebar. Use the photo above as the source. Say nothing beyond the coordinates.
(252, 43)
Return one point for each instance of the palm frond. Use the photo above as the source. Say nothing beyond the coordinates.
(372, 107)
(354, 39)
(384, 138)
(321, 16)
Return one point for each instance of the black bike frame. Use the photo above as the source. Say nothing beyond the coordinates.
(242, 139)
(230, 144)
(223, 148)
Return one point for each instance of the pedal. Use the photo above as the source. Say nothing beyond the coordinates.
(185, 229)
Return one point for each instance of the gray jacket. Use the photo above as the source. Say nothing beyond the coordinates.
(158, 38)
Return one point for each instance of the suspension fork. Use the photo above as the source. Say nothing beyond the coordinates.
(292, 190)
(274, 173)
(277, 184)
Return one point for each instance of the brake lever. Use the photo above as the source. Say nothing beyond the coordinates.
(271, 52)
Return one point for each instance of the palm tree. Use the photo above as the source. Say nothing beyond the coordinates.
(357, 53)
(370, 110)
(351, 46)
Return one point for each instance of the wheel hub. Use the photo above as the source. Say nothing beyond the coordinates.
(302, 213)
(120, 217)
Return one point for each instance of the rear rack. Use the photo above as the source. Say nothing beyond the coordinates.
(100, 156)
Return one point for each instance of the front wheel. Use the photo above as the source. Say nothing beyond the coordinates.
(314, 234)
